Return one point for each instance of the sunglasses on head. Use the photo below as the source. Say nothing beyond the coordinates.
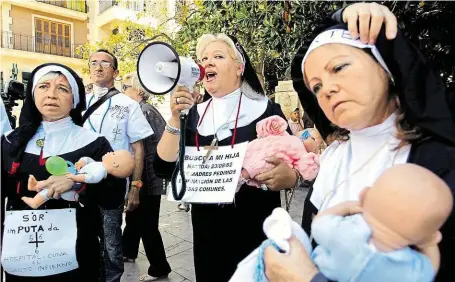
(124, 87)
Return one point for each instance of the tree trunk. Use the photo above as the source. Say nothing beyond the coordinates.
(260, 72)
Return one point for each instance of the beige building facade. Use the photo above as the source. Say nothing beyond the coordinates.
(33, 32)
(39, 31)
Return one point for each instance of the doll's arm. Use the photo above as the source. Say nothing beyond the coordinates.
(83, 162)
(92, 174)
(80, 178)
(344, 209)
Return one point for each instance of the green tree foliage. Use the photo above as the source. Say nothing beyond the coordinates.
(272, 31)
(431, 26)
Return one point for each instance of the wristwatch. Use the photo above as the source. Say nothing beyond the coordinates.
(137, 183)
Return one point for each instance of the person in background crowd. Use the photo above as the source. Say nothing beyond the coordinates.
(50, 125)
(5, 125)
(119, 118)
(295, 122)
(388, 107)
(143, 222)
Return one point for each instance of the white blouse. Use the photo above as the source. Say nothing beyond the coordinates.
(346, 168)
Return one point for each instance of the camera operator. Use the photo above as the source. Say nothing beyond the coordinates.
(4, 121)
(14, 91)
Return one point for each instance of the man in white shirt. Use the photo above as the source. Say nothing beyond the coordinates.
(5, 126)
(121, 121)
(295, 122)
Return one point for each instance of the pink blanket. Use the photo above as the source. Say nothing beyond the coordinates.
(274, 141)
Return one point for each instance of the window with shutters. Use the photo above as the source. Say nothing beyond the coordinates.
(52, 37)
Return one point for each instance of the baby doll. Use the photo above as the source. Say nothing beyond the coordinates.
(406, 206)
(368, 241)
(274, 141)
(119, 164)
(278, 227)
(311, 139)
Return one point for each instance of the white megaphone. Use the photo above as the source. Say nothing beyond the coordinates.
(160, 69)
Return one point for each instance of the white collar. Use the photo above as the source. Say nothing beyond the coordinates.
(386, 126)
(56, 134)
(59, 125)
(61, 137)
(348, 167)
(99, 91)
(224, 117)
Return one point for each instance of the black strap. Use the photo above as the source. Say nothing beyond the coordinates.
(112, 92)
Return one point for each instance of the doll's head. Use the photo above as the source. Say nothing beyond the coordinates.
(311, 139)
(119, 163)
(407, 205)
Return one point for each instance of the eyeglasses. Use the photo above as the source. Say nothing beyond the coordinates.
(124, 87)
(104, 64)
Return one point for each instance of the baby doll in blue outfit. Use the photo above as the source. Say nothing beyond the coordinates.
(369, 240)
(406, 206)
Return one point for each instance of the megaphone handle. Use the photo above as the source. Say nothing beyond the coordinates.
(179, 168)
(190, 89)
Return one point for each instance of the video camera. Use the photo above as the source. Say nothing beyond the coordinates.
(14, 91)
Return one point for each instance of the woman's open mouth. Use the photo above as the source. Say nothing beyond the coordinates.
(210, 76)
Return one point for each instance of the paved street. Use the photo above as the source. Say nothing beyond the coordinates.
(175, 227)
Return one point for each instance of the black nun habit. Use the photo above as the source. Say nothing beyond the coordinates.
(425, 103)
(224, 234)
(22, 156)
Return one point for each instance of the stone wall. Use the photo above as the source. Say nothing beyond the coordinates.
(287, 98)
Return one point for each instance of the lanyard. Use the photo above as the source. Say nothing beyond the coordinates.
(102, 121)
(235, 127)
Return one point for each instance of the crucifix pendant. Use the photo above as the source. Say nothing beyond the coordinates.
(213, 146)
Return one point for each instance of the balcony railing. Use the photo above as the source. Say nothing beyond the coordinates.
(133, 5)
(58, 47)
(75, 5)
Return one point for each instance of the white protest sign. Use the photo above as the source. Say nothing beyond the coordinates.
(216, 180)
(39, 242)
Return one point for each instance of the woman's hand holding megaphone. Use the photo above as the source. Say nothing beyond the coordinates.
(181, 100)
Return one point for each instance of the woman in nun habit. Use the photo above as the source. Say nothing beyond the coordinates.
(63, 245)
(384, 105)
(226, 232)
